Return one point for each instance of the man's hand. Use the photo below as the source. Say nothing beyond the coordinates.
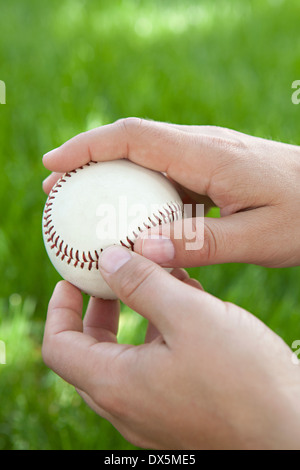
(209, 376)
(254, 182)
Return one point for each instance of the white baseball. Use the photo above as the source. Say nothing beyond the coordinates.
(98, 205)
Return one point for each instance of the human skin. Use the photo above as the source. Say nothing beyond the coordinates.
(210, 375)
(254, 182)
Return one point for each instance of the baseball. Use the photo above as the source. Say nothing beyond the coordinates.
(98, 205)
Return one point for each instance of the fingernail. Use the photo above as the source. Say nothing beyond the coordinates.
(158, 248)
(113, 258)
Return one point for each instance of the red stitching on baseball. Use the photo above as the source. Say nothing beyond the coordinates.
(172, 209)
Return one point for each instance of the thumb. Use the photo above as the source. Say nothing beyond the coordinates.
(146, 288)
(199, 241)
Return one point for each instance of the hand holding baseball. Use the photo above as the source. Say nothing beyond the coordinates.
(209, 376)
(255, 182)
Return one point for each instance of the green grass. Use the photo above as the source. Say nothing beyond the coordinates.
(73, 65)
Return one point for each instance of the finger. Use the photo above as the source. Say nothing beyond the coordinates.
(183, 276)
(152, 333)
(180, 273)
(77, 357)
(146, 288)
(101, 320)
(50, 181)
(194, 283)
(190, 197)
(158, 146)
(240, 237)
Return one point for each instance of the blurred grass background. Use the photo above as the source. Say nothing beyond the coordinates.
(71, 65)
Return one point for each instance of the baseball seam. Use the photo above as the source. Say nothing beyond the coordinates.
(168, 213)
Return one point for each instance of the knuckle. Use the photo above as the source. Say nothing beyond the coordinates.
(226, 141)
(130, 128)
(197, 234)
(210, 244)
(130, 125)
